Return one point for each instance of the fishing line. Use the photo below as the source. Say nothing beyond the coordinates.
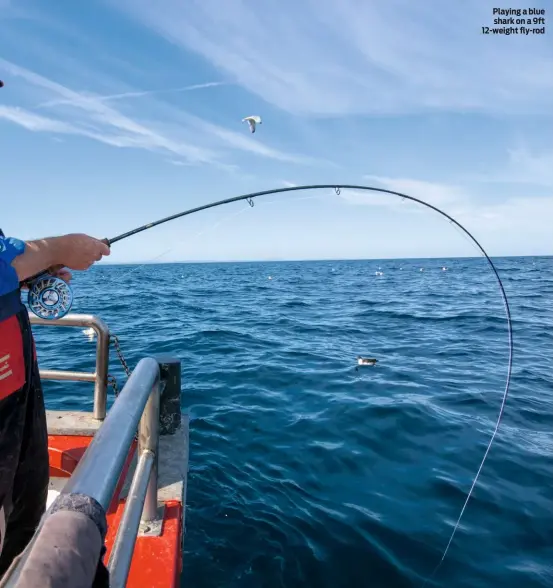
(216, 224)
(41, 284)
(187, 239)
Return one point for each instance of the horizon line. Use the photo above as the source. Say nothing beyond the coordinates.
(183, 262)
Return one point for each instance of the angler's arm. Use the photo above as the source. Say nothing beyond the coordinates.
(20, 260)
(35, 256)
(15, 259)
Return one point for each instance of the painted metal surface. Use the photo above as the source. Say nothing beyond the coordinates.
(157, 560)
(65, 452)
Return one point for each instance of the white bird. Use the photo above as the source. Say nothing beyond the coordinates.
(252, 121)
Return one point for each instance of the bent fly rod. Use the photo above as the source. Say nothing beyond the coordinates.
(51, 298)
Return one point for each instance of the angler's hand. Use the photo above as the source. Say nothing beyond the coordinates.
(79, 252)
(63, 274)
(58, 272)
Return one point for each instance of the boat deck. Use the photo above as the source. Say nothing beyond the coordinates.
(157, 558)
(132, 459)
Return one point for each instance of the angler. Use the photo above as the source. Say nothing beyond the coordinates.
(24, 467)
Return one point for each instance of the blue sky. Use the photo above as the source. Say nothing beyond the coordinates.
(117, 112)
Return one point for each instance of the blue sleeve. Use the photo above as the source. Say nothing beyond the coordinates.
(10, 248)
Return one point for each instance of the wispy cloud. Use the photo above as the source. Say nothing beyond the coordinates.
(141, 94)
(247, 143)
(523, 167)
(328, 57)
(434, 193)
(452, 199)
(94, 119)
(34, 122)
(148, 141)
(73, 112)
(531, 168)
(523, 214)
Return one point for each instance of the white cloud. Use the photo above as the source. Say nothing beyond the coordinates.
(328, 57)
(247, 143)
(34, 122)
(91, 118)
(528, 168)
(126, 95)
(434, 193)
(73, 112)
(451, 199)
(37, 123)
(526, 217)
(521, 166)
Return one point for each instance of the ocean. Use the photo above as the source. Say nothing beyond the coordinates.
(308, 472)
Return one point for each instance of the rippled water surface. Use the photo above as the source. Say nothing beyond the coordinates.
(306, 472)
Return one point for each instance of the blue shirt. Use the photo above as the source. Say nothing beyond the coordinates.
(10, 302)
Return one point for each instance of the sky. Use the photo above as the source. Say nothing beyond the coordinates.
(115, 113)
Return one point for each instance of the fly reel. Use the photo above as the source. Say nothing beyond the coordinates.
(49, 297)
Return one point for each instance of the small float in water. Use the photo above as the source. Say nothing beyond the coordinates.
(366, 361)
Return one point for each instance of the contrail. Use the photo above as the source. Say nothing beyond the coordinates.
(134, 94)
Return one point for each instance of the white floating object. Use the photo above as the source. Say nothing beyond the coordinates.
(90, 333)
(366, 361)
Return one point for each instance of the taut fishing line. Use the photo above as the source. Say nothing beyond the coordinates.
(187, 239)
(51, 298)
(190, 238)
(216, 224)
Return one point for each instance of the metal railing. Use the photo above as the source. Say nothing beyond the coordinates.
(98, 472)
(100, 374)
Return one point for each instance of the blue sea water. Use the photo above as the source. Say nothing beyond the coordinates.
(305, 472)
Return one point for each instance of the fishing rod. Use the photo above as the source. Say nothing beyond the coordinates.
(51, 297)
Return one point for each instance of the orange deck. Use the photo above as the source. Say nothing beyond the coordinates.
(157, 561)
